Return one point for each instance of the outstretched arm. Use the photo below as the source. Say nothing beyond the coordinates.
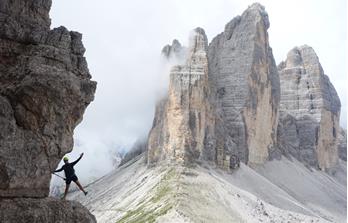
(73, 163)
(58, 170)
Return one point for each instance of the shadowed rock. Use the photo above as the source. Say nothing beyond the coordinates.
(45, 88)
(342, 144)
(29, 210)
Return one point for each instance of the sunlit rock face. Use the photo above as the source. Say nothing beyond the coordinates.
(244, 77)
(45, 88)
(181, 119)
(309, 110)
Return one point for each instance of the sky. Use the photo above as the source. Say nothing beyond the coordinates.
(123, 41)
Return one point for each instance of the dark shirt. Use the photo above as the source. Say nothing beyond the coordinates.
(69, 168)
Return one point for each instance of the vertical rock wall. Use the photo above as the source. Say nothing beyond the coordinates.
(244, 77)
(45, 88)
(310, 110)
(180, 121)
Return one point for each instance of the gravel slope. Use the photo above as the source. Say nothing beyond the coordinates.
(279, 191)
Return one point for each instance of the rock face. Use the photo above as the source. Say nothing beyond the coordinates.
(244, 77)
(342, 144)
(181, 118)
(309, 110)
(29, 210)
(45, 88)
(175, 51)
(187, 128)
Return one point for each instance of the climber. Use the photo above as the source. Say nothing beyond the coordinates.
(70, 174)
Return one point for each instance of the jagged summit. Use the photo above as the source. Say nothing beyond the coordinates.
(200, 40)
(305, 57)
(258, 10)
(197, 50)
(309, 61)
(175, 50)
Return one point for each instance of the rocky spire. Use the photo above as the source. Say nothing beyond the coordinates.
(178, 130)
(309, 108)
(45, 87)
(175, 51)
(244, 77)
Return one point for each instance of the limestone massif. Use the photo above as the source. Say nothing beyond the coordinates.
(45, 87)
(230, 102)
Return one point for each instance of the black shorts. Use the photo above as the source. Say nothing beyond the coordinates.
(72, 178)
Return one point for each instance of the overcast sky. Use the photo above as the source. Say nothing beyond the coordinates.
(123, 40)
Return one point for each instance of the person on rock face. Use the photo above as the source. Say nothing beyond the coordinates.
(70, 174)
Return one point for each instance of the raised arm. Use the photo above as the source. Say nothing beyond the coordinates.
(58, 170)
(73, 163)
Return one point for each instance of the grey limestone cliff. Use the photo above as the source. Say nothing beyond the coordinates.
(309, 110)
(181, 118)
(45, 88)
(244, 79)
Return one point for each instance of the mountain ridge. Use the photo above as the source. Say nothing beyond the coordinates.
(172, 193)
